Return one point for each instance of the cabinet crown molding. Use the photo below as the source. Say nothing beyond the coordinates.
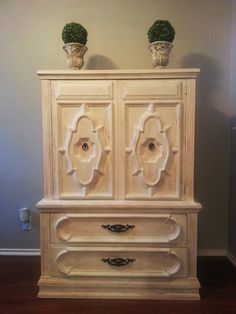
(118, 74)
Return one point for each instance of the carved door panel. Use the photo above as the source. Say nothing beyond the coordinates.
(153, 113)
(82, 126)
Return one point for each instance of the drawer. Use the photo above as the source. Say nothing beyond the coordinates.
(138, 262)
(149, 89)
(83, 89)
(78, 228)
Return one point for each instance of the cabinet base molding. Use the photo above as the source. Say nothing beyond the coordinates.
(177, 289)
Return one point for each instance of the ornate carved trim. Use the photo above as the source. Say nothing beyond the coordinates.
(64, 267)
(175, 234)
(62, 235)
(86, 165)
(65, 232)
(168, 272)
(66, 262)
(155, 149)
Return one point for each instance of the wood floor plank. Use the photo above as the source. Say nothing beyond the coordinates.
(18, 292)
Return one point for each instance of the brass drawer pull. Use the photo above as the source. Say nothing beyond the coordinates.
(118, 261)
(118, 228)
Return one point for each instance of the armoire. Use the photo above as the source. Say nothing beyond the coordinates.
(118, 218)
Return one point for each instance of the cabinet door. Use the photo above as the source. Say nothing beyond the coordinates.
(153, 116)
(82, 119)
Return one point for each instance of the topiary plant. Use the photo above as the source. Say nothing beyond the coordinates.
(74, 33)
(161, 30)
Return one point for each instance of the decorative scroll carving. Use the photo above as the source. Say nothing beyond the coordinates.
(176, 231)
(65, 262)
(63, 229)
(168, 272)
(150, 149)
(85, 149)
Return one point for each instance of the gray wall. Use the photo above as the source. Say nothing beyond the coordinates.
(30, 39)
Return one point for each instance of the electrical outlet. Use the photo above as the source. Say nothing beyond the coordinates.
(25, 218)
(26, 225)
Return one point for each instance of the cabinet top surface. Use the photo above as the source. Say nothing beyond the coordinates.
(117, 74)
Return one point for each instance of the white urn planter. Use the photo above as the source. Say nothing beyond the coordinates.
(75, 55)
(160, 51)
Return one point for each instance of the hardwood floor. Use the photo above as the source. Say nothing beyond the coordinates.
(18, 292)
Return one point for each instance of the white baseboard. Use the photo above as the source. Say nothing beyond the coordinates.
(231, 258)
(20, 252)
(36, 252)
(225, 253)
(212, 253)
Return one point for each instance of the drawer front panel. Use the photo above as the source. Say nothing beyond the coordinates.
(83, 89)
(72, 262)
(79, 228)
(149, 89)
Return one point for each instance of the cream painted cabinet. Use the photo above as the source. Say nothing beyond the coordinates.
(119, 219)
